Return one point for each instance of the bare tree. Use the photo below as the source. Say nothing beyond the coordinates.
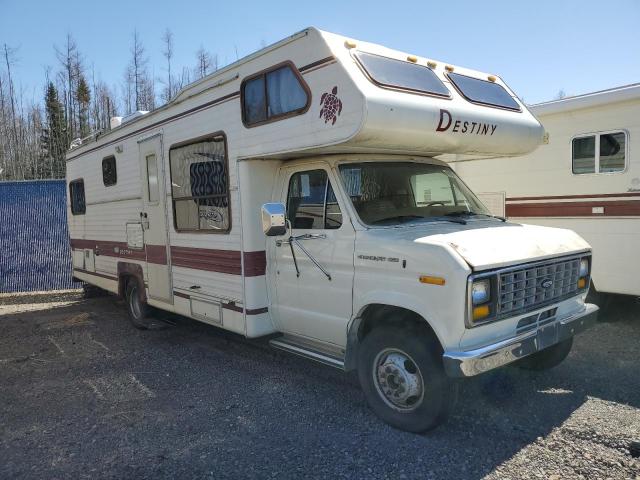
(167, 52)
(204, 63)
(139, 73)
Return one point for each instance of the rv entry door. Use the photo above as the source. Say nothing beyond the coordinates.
(154, 218)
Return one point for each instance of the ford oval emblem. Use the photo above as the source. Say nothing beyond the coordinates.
(546, 283)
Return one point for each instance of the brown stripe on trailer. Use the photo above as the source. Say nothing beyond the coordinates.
(222, 261)
(568, 197)
(611, 208)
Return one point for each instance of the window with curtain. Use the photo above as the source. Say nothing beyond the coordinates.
(276, 93)
(199, 186)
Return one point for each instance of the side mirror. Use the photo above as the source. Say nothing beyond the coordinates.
(273, 219)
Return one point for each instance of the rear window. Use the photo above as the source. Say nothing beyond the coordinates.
(484, 92)
(388, 72)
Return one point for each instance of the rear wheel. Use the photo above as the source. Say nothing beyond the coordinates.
(403, 379)
(138, 309)
(548, 358)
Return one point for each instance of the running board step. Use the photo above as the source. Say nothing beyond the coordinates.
(304, 349)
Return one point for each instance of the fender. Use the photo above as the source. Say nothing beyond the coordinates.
(382, 297)
(133, 270)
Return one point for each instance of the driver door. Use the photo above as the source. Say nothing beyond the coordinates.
(309, 303)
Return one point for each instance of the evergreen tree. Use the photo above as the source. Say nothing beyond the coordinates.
(83, 99)
(55, 138)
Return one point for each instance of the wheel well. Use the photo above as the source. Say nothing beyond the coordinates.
(378, 315)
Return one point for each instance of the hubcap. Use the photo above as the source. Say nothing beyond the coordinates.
(398, 380)
(135, 303)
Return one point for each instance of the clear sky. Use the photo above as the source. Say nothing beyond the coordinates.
(539, 47)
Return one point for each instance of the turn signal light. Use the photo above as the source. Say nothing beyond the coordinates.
(582, 283)
(448, 68)
(491, 78)
(480, 312)
(350, 44)
(432, 280)
(412, 58)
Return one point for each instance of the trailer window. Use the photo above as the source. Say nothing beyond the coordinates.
(200, 186)
(483, 92)
(276, 93)
(76, 195)
(389, 72)
(311, 202)
(599, 153)
(109, 173)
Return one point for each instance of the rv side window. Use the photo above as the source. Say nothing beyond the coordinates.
(599, 153)
(273, 94)
(200, 186)
(109, 172)
(483, 92)
(76, 195)
(311, 202)
(389, 72)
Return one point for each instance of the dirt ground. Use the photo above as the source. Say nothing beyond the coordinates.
(85, 395)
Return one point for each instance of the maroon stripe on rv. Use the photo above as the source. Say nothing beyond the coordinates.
(255, 263)
(621, 208)
(569, 197)
(110, 249)
(156, 254)
(222, 261)
(193, 110)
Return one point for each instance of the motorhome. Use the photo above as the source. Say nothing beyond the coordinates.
(585, 178)
(296, 195)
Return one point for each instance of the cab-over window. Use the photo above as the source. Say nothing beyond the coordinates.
(276, 93)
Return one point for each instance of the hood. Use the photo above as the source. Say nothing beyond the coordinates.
(504, 244)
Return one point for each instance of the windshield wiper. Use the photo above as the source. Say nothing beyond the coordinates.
(470, 213)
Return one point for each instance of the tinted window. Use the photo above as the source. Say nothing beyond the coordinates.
(482, 91)
(612, 149)
(199, 186)
(273, 94)
(389, 72)
(311, 202)
(76, 194)
(584, 155)
(109, 173)
(599, 153)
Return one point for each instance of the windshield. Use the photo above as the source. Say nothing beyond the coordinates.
(393, 193)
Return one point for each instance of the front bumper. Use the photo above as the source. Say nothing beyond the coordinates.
(473, 362)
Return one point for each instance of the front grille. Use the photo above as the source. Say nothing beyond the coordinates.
(527, 288)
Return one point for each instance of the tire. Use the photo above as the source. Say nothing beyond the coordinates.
(401, 373)
(138, 309)
(548, 358)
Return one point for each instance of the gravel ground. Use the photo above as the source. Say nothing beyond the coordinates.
(85, 395)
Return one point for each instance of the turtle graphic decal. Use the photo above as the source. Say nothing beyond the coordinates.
(331, 106)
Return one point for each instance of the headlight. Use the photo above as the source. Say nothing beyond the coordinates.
(480, 291)
(584, 267)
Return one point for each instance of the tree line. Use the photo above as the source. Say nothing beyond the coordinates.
(36, 133)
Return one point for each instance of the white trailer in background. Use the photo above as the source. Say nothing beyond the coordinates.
(586, 178)
(295, 194)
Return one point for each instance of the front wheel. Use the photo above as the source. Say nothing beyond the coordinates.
(138, 309)
(403, 379)
(548, 358)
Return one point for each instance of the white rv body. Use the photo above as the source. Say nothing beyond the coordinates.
(321, 288)
(541, 187)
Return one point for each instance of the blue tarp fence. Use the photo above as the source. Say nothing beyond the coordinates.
(34, 239)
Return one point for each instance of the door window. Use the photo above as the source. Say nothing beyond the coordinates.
(152, 178)
(311, 202)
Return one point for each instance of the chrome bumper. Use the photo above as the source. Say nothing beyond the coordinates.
(474, 362)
